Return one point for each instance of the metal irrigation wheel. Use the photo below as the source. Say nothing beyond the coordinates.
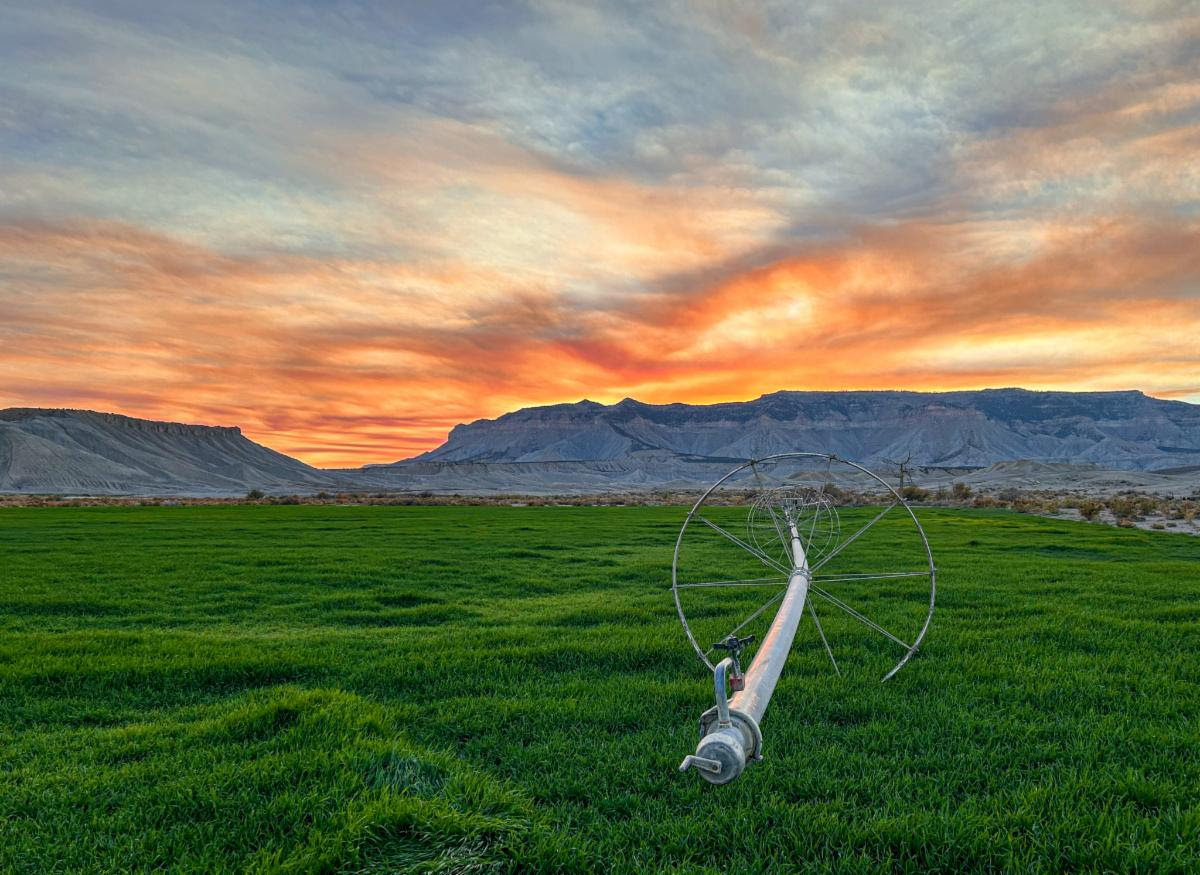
(873, 581)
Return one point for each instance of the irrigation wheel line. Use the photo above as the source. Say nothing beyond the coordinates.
(793, 530)
(765, 505)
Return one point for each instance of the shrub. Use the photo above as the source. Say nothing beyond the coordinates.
(914, 493)
(1122, 507)
(254, 494)
(960, 491)
(832, 491)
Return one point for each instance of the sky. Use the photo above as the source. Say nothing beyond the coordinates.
(346, 227)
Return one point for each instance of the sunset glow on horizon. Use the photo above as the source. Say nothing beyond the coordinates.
(346, 228)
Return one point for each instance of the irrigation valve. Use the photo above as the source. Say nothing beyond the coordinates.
(734, 646)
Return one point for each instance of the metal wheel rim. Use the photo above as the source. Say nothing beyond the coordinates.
(831, 458)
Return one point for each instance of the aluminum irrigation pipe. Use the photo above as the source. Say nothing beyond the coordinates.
(729, 731)
(732, 735)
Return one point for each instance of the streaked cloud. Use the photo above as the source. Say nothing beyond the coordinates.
(349, 227)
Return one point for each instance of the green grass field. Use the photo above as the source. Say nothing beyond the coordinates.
(462, 689)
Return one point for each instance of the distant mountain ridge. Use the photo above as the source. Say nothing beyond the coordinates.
(1123, 430)
(81, 451)
(591, 447)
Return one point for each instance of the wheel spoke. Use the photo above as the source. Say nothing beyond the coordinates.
(867, 621)
(750, 581)
(746, 622)
(783, 540)
(821, 632)
(846, 543)
(835, 578)
(762, 488)
(749, 548)
(812, 528)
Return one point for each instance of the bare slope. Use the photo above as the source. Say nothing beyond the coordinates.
(80, 451)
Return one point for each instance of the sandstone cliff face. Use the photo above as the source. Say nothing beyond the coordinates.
(1126, 430)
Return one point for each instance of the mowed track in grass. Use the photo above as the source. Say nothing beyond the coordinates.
(352, 689)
